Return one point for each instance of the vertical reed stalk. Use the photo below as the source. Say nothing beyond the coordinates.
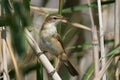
(101, 29)
(4, 56)
(4, 53)
(117, 35)
(95, 43)
(60, 12)
(18, 76)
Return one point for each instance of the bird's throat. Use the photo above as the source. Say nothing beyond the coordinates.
(49, 29)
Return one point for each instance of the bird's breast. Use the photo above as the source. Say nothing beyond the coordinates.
(49, 30)
(48, 42)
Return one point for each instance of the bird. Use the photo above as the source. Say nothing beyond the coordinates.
(51, 42)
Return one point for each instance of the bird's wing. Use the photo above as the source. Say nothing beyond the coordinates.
(57, 36)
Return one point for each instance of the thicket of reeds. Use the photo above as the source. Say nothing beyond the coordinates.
(91, 38)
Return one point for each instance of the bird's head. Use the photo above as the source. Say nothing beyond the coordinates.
(54, 18)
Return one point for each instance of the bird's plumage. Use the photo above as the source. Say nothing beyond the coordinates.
(50, 41)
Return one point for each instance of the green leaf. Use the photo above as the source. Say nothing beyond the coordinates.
(18, 38)
(6, 7)
(88, 73)
(39, 71)
(84, 6)
(23, 12)
(113, 51)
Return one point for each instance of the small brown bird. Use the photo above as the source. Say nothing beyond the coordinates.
(50, 41)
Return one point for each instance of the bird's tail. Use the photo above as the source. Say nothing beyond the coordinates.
(70, 68)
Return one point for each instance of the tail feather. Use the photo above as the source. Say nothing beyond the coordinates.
(70, 68)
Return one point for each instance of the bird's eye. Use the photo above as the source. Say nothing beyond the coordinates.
(54, 18)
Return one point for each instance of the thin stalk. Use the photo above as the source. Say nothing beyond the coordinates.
(78, 25)
(95, 50)
(116, 32)
(95, 43)
(60, 12)
(47, 65)
(18, 76)
(117, 36)
(0, 50)
(104, 68)
(5, 71)
(102, 49)
(4, 53)
(60, 6)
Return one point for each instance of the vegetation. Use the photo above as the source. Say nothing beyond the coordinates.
(90, 37)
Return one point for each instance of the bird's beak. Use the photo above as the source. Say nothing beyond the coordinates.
(65, 20)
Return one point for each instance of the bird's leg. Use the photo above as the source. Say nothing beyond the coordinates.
(57, 63)
(42, 52)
